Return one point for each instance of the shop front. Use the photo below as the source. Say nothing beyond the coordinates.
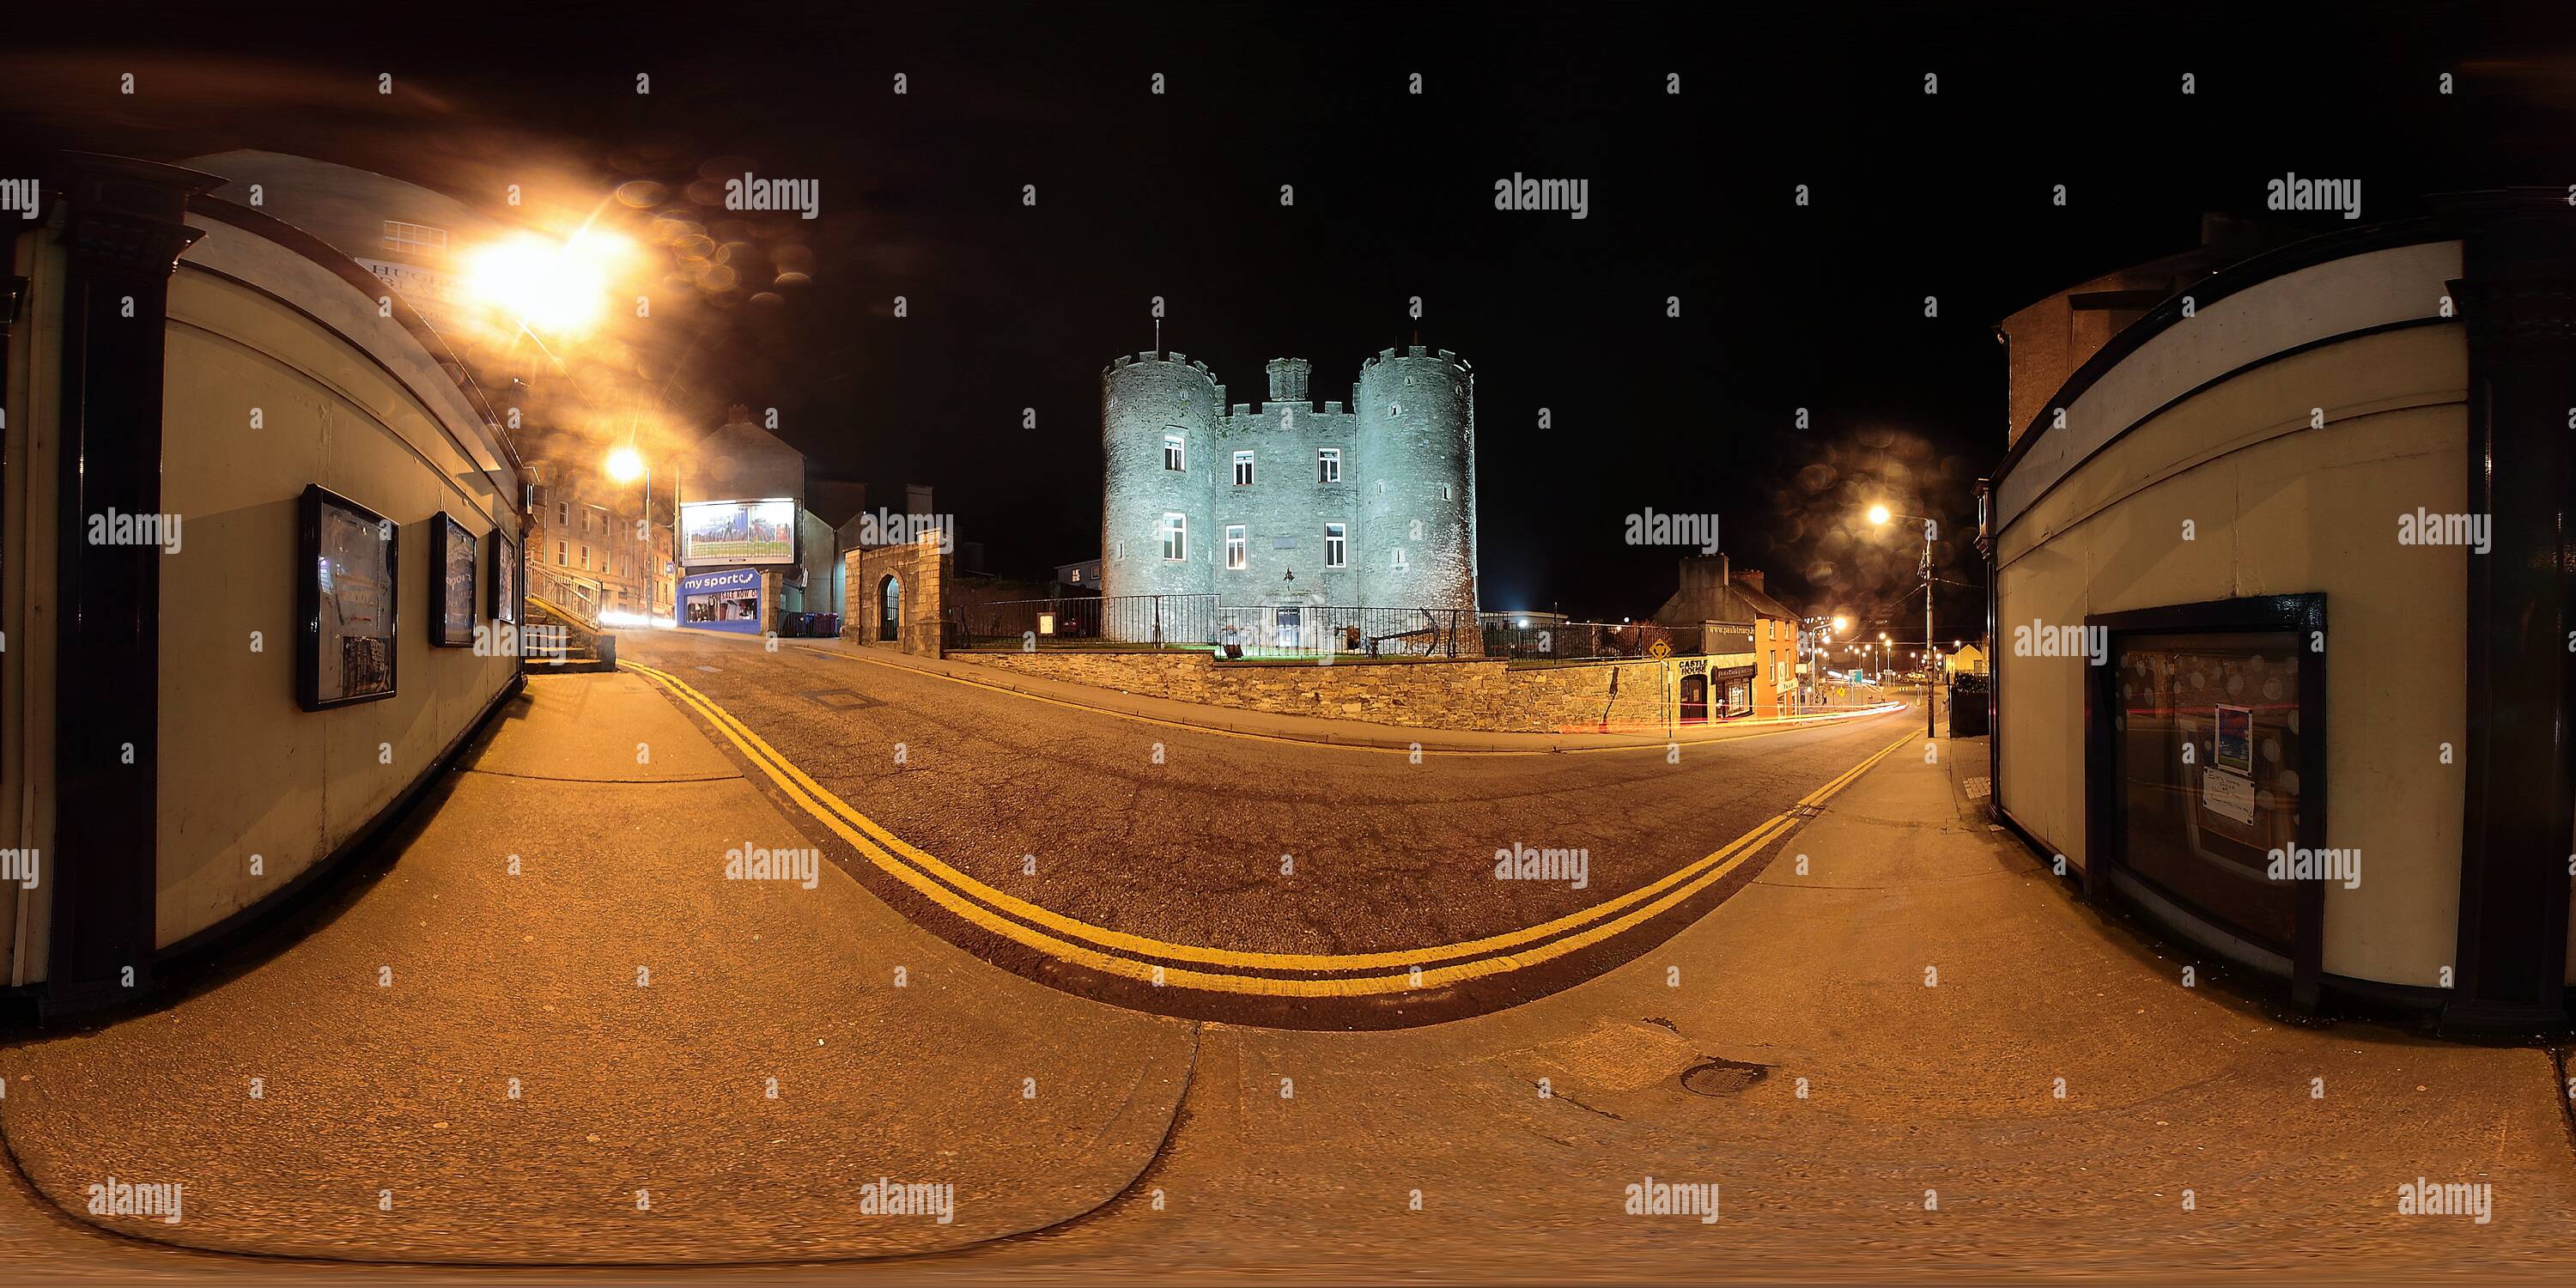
(727, 599)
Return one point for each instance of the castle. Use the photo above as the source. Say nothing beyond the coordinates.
(1289, 506)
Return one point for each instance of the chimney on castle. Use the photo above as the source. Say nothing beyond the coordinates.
(1752, 577)
(1288, 379)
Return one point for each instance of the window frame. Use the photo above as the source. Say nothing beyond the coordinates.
(1175, 534)
(1238, 548)
(1337, 545)
(1328, 457)
(1243, 469)
(1176, 452)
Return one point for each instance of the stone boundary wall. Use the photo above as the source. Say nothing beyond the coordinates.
(1474, 695)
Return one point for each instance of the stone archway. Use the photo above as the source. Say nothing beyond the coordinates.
(890, 609)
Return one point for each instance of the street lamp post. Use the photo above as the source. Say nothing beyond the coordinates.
(625, 464)
(1879, 514)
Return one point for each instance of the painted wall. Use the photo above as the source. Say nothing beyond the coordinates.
(2278, 507)
(28, 531)
(350, 401)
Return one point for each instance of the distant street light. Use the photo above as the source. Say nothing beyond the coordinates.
(1879, 514)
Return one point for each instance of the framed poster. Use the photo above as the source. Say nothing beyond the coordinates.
(2235, 746)
(451, 610)
(505, 579)
(345, 599)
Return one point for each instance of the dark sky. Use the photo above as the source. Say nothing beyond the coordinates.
(1692, 195)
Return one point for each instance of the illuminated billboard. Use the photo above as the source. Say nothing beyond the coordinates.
(738, 532)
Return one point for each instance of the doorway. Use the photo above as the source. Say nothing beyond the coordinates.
(1694, 699)
(890, 610)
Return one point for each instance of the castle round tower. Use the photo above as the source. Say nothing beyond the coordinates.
(1158, 415)
(1417, 448)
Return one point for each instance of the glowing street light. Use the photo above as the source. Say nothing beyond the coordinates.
(625, 465)
(560, 288)
(1879, 515)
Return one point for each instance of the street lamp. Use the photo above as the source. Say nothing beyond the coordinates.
(1879, 515)
(625, 465)
(560, 288)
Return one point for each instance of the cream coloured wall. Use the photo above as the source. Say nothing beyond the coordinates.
(2279, 508)
(245, 770)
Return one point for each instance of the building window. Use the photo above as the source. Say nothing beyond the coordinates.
(563, 514)
(585, 557)
(1118, 551)
(1176, 537)
(1399, 557)
(1243, 469)
(1077, 576)
(1236, 554)
(562, 554)
(1444, 492)
(403, 236)
(1172, 458)
(1328, 465)
(1336, 544)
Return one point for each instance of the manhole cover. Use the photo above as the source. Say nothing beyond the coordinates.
(1722, 1077)
(837, 699)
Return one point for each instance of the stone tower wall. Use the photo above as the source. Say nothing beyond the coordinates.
(1416, 413)
(1143, 399)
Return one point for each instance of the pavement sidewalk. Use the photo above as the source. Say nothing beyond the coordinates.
(1323, 729)
(553, 1030)
(1866, 1055)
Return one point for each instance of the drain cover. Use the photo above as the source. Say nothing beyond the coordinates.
(1722, 1077)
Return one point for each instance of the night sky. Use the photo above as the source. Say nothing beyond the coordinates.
(1691, 195)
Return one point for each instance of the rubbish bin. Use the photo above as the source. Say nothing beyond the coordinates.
(1971, 705)
(830, 625)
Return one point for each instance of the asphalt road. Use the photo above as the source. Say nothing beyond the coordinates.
(1245, 843)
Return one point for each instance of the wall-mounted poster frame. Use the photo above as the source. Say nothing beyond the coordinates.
(2300, 620)
(452, 564)
(347, 601)
(505, 579)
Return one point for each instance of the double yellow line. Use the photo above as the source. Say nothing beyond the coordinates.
(1148, 960)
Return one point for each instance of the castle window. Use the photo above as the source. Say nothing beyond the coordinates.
(1176, 537)
(1237, 552)
(1172, 452)
(1328, 465)
(1336, 544)
(1399, 557)
(1243, 469)
(1444, 492)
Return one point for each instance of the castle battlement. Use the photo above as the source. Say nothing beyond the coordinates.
(1175, 357)
(1417, 351)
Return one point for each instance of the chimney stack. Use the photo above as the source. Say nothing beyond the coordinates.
(1288, 379)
